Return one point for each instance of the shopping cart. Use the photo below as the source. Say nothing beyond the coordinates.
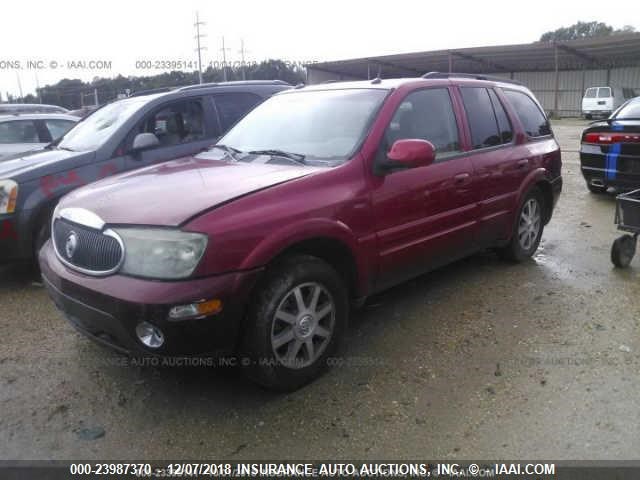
(628, 220)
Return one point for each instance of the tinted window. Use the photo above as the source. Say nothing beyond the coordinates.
(591, 93)
(482, 120)
(504, 125)
(233, 106)
(604, 92)
(534, 122)
(176, 123)
(58, 128)
(21, 131)
(427, 115)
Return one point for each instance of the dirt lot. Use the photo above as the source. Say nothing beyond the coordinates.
(481, 359)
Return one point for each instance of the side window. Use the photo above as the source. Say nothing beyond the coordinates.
(58, 128)
(482, 120)
(177, 123)
(19, 131)
(534, 122)
(427, 115)
(504, 125)
(233, 106)
(591, 93)
(604, 92)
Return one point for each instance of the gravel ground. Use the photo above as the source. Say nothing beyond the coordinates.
(481, 359)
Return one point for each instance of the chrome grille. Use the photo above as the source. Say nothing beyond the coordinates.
(85, 248)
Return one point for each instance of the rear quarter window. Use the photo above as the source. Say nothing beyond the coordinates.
(533, 120)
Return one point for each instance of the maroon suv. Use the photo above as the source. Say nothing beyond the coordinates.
(321, 196)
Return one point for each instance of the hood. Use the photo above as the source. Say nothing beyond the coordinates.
(36, 164)
(170, 193)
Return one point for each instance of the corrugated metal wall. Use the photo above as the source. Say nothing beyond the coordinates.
(572, 84)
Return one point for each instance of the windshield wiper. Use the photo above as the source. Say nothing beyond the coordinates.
(228, 150)
(296, 157)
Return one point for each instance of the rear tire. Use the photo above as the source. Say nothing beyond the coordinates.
(295, 323)
(595, 189)
(528, 228)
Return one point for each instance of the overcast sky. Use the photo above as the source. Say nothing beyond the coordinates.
(125, 31)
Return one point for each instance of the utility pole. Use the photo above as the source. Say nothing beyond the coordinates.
(38, 88)
(199, 46)
(242, 52)
(224, 60)
(19, 86)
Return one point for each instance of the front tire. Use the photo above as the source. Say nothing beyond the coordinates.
(528, 228)
(295, 323)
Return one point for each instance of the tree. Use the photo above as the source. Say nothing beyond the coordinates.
(583, 30)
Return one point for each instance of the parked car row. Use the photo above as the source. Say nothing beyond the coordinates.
(257, 245)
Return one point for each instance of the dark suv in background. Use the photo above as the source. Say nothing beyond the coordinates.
(320, 196)
(145, 129)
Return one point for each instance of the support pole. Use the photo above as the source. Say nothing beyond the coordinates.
(557, 82)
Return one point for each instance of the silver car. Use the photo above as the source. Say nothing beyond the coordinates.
(33, 131)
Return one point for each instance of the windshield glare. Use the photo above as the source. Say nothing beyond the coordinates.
(94, 130)
(321, 125)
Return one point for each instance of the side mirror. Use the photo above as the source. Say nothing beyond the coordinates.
(411, 153)
(144, 141)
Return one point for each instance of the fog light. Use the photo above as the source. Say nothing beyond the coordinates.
(195, 310)
(150, 335)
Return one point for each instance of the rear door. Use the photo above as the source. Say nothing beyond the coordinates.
(589, 101)
(425, 216)
(499, 166)
(605, 99)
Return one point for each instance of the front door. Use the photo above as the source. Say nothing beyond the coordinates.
(183, 127)
(425, 217)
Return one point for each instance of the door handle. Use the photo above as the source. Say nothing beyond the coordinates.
(523, 163)
(461, 178)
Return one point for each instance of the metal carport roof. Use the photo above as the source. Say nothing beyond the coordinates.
(620, 50)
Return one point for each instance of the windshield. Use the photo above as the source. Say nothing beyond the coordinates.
(94, 130)
(314, 125)
(631, 109)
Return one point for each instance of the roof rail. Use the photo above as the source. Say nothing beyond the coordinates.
(473, 76)
(151, 91)
(236, 82)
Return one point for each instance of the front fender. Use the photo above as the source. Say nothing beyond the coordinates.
(288, 236)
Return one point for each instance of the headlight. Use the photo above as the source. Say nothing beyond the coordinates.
(159, 253)
(8, 196)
